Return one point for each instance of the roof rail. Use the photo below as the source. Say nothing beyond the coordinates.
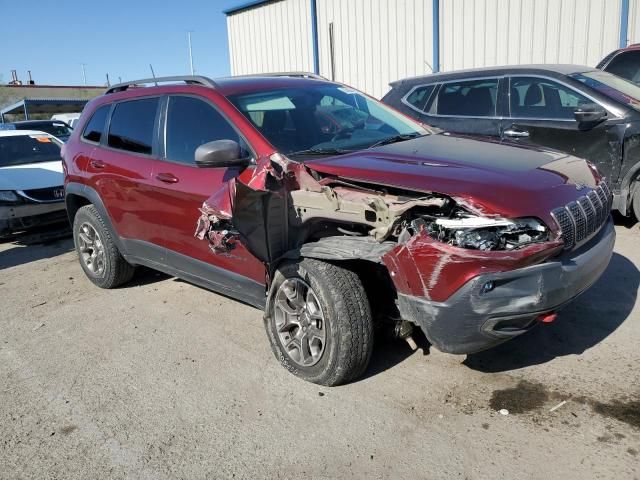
(314, 76)
(188, 79)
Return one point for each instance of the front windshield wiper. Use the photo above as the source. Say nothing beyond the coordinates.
(319, 151)
(397, 138)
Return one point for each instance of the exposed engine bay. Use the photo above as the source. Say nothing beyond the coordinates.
(401, 216)
(303, 206)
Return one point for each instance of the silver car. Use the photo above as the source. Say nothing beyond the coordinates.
(31, 180)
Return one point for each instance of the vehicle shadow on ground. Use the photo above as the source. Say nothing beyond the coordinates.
(389, 352)
(145, 276)
(629, 222)
(22, 252)
(584, 323)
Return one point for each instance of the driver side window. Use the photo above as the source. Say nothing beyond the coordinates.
(192, 122)
(541, 98)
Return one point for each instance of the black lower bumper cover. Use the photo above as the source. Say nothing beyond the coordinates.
(471, 321)
(24, 223)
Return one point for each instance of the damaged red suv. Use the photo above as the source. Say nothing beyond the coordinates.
(333, 213)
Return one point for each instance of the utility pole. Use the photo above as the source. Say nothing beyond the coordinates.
(84, 73)
(190, 52)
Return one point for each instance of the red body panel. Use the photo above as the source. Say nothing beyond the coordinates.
(177, 205)
(424, 267)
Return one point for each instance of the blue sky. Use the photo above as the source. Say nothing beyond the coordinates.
(53, 39)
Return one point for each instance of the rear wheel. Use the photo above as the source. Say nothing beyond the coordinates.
(98, 254)
(319, 322)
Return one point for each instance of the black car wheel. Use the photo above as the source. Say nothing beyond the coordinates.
(99, 256)
(635, 199)
(319, 322)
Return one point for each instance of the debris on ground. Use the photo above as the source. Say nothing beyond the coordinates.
(558, 406)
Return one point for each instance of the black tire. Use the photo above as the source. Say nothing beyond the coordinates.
(115, 270)
(347, 322)
(635, 199)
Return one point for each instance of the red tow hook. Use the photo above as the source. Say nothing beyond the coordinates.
(547, 317)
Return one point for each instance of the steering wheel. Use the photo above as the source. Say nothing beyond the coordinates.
(343, 133)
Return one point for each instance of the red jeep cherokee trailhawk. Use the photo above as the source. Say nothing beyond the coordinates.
(331, 212)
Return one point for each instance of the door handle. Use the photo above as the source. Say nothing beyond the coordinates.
(512, 132)
(167, 177)
(97, 164)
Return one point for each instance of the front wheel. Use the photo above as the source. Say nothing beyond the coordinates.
(319, 322)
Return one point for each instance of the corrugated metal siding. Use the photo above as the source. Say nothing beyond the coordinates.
(633, 34)
(500, 32)
(375, 41)
(378, 41)
(274, 37)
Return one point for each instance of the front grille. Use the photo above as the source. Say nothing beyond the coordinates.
(579, 220)
(49, 194)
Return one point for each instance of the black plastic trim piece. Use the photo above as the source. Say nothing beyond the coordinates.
(197, 272)
(93, 197)
(188, 79)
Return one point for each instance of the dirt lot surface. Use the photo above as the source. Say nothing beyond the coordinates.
(161, 379)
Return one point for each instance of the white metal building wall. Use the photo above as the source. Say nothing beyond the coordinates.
(633, 35)
(375, 41)
(274, 37)
(501, 32)
(378, 41)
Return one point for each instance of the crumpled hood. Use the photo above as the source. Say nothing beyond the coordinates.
(496, 178)
(31, 176)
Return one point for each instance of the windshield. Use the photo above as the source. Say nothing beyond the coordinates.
(612, 86)
(320, 119)
(57, 129)
(23, 149)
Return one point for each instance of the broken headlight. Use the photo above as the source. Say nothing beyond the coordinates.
(481, 233)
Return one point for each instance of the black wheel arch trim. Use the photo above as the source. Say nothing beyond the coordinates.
(622, 203)
(92, 196)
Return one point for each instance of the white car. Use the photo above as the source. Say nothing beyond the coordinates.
(31, 180)
(70, 119)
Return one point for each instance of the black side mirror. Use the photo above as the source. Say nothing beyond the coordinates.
(589, 115)
(220, 153)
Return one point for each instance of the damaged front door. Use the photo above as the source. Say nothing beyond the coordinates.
(250, 210)
(181, 187)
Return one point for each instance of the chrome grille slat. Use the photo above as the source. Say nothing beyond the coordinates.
(589, 212)
(580, 219)
(597, 206)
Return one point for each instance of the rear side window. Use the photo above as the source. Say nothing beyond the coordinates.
(534, 97)
(132, 125)
(626, 65)
(95, 127)
(419, 96)
(470, 98)
(192, 122)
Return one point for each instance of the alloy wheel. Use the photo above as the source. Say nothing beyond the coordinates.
(300, 322)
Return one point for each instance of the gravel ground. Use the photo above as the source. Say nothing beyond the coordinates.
(161, 379)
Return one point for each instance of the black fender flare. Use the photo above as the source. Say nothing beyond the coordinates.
(626, 189)
(92, 196)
